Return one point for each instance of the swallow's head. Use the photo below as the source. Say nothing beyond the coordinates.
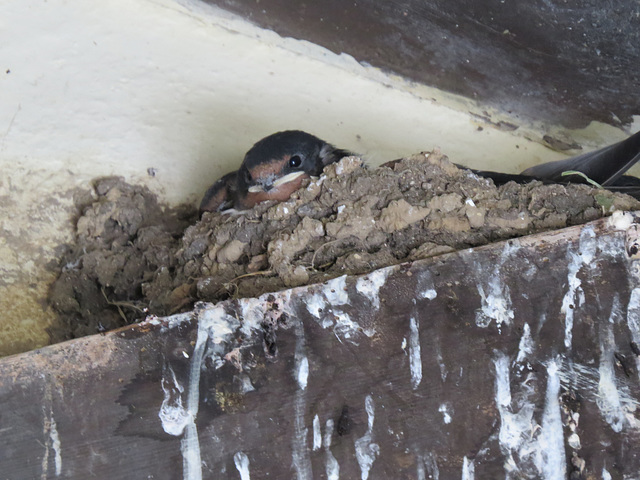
(276, 166)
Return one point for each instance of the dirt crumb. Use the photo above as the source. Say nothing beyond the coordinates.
(134, 256)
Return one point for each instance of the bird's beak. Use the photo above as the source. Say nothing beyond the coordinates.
(287, 178)
(266, 186)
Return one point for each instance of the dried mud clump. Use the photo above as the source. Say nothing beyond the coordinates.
(132, 257)
(124, 239)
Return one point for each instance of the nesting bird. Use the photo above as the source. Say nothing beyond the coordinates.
(277, 165)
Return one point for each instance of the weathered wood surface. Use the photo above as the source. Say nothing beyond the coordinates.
(515, 360)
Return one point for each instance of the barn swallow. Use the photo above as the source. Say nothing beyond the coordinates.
(272, 169)
(276, 166)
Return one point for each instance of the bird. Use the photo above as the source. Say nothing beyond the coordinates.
(277, 165)
(272, 169)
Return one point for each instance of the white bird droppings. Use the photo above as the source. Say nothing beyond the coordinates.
(173, 415)
(317, 435)
(242, 464)
(370, 285)
(575, 295)
(525, 348)
(551, 437)
(415, 360)
(608, 398)
(332, 468)
(468, 469)
(366, 450)
(446, 411)
(496, 298)
(303, 373)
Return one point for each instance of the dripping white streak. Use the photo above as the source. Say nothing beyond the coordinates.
(588, 379)
(551, 437)
(332, 468)
(516, 427)
(317, 435)
(496, 304)
(569, 299)
(415, 360)
(420, 469)
(511, 427)
(443, 368)
(55, 445)
(366, 450)
(303, 373)
(432, 466)
(300, 453)
(608, 398)
(525, 348)
(50, 430)
(190, 444)
(242, 464)
(173, 416)
(605, 474)
(213, 324)
(468, 469)
(575, 295)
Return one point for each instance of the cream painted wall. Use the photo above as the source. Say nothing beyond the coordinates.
(117, 87)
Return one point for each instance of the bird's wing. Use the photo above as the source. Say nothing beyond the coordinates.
(604, 166)
(221, 195)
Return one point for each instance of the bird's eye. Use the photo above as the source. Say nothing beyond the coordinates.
(295, 161)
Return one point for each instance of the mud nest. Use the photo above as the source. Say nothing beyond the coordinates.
(135, 257)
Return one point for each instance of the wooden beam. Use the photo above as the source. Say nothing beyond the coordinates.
(514, 360)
